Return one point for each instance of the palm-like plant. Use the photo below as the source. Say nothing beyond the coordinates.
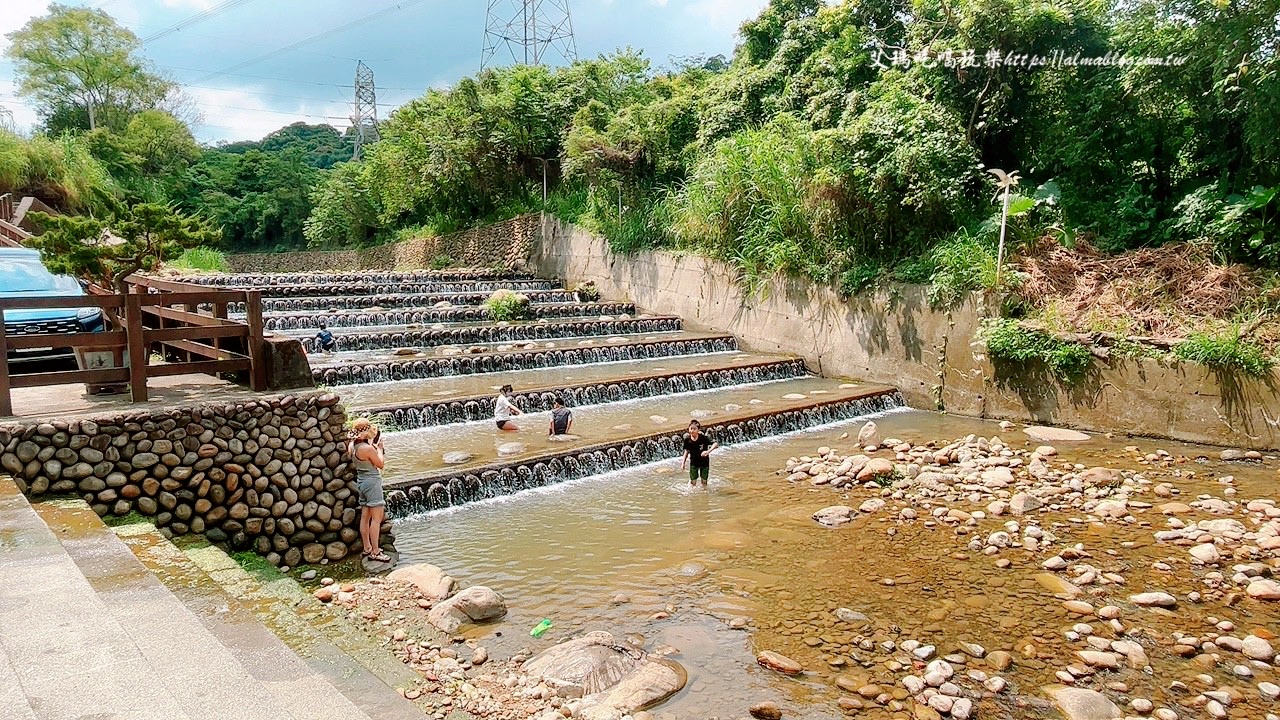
(1005, 183)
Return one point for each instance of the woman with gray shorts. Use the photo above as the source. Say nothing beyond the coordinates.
(369, 457)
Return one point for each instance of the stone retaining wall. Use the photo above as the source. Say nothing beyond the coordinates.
(505, 244)
(893, 336)
(269, 474)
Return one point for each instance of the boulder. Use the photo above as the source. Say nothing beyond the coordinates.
(1264, 589)
(1041, 433)
(875, 467)
(834, 515)
(869, 435)
(433, 582)
(1082, 704)
(473, 605)
(612, 676)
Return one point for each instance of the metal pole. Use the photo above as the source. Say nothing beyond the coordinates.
(1004, 219)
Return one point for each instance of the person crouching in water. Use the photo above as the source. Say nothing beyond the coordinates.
(697, 453)
(325, 339)
(369, 456)
(504, 409)
(561, 418)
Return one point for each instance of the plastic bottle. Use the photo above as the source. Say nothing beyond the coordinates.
(541, 628)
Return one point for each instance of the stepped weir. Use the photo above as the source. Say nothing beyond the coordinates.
(417, 353)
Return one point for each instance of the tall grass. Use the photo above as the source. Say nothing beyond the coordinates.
(1225, 351)
(60, 171)
(201, 258)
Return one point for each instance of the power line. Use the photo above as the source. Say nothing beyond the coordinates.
(308, 40)
(195, 19)
(530, 30)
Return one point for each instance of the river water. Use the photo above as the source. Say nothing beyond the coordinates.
(688, 562)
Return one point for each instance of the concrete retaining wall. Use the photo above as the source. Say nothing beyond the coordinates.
(893, 336)
(270, 474)
(504, 244)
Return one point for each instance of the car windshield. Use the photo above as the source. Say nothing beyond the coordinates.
(25, 276)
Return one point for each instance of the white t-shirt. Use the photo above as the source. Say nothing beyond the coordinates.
(502, 408)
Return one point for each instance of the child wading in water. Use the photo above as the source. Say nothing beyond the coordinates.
(697, 453)
(503, 409)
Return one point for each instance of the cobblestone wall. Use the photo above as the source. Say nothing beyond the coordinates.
(269, 474)
(505, 244)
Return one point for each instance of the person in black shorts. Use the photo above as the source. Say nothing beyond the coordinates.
(561, 418)
(325, 339)
(697, 453)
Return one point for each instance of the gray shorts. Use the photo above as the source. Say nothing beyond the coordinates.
(369, 489)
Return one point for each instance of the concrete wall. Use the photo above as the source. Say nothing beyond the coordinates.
(895, 337)
(270, 474)
(503, 244)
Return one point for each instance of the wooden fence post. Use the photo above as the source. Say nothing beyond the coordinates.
(257, 354)
(6, 402)
(135, 339)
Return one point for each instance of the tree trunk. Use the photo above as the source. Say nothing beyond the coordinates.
(93, 120)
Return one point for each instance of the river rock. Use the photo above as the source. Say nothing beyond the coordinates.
(875, 467)
(1154, 599)
(869, 435)
(475, 604)
(1206, 553)
(457, 457)
(766, 710)
(1044, 434)
(511, 448)
(1023, 503)
(1264, 589)
(834, 515)
(613, 677)
(433, 582)
(871, 505)
(1257, 648)
(1082, 704)
(779, 663)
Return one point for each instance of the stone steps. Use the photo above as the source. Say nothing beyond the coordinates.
(259, 280)
(455, 487)
(416, 287)
(383, 369)
(210, 648)
(441, 411)
(389, 337)
(406, 300)
(371, 319)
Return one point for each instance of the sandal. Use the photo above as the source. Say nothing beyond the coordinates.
(379, 557)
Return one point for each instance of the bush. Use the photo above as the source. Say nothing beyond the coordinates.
(1008, 340)
(201, 258)
(960, 265)
(507, 305)
(587, 292)
(440, 262)
(1225, 351)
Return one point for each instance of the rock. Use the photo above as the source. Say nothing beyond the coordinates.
(1257, 648)
(433, 582)
(999, 659)
(1263, 589)
(851, 616)
(1023, 503)
(766, 711)
(779, 663)
(834, 515)
(1111, 509)
(457, 457)
(1231, 455)
(1046, 451)
(1206, 553)
(1173, 508)
(479, 656)
(307, 575)
(1094, 658)
(868, 435)
(1082, 704)
(872, 505)
(875, 467)
(511, 448)
(475, 604)
(324, 595)
(612, 677)
(1154, 599)
(1041, 433)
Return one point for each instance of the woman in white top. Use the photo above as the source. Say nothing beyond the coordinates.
(504, 409)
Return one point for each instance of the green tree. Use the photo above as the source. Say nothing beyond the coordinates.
(78, 59)
(108, 250)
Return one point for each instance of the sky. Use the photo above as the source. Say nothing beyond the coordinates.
(256, 65)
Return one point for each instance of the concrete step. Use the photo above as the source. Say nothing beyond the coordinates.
(732, 371)
(370, 319)
(392, 337)
(212, 660)
(397, 300)
(351, 369)
(542, 464)
(273, 617)
(63, 653)
(355, 276)
(370, 287)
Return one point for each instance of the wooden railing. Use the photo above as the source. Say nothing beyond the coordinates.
(155, 315)
(11, 234)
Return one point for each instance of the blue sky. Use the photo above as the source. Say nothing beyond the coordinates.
(424, 43)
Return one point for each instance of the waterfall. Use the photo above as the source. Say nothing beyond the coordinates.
(523, 332)
(406, 498)
(421, 316)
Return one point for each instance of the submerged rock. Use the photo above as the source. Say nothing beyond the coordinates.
(834, 515)
(434, 583)
(1044, 434)
(1082, 704)
(611, 676)
(457, 457)
(511, 448)
(473, 605)
(779, 663)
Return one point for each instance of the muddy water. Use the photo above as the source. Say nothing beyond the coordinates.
(748, 549)
(403, 392)
(413, 453)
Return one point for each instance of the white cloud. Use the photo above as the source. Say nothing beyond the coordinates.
(242, 114)
(16, 14)
(725, 15)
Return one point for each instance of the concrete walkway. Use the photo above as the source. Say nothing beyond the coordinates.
(86, 631)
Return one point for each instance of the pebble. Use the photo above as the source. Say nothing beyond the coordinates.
(766, 710)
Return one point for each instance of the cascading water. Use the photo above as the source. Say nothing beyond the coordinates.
(261, 280)
(442, 490)
(417, 287)
(402, 300)
(511, 361)
(434, 315)
(458, 410)
(521, 332)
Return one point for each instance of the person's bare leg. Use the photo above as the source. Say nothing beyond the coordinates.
(366, 513)
(510, 427)
(376, 514)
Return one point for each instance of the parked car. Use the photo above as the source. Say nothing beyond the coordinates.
(22, 275)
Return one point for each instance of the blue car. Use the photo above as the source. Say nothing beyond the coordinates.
(22, 275)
